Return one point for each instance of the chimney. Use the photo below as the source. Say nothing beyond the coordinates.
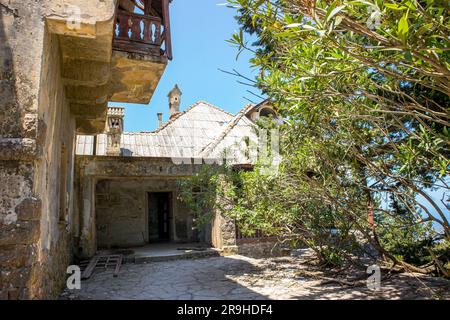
(159, 120)
(174, 100)
(114, 130)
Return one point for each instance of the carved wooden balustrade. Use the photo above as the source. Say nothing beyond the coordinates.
(143, 33)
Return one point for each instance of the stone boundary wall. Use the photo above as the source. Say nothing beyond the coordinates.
(260, 248)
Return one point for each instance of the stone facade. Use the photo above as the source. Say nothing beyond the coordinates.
(112, 203)
(33, 245)
(55, 82)
(112, 200)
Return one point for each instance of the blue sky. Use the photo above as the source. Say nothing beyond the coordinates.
(199, 29)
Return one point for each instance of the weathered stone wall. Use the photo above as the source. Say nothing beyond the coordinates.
(36, 144)
(224, 234)
(54, 175)
(31, 187)
(262, 248)
(20, 66)
(19, 228)
(224, 230)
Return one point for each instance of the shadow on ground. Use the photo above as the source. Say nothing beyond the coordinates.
(238, 278)
(208, 278)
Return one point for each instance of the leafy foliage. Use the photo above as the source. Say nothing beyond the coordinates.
(363, 89)
(366, 84)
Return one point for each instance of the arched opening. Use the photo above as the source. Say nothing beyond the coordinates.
(267, 112)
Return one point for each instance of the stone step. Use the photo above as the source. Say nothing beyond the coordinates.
(170, 257)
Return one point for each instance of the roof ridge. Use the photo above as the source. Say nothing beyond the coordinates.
(175, 117)
(178, 115)
(215, 107)
(231, 124)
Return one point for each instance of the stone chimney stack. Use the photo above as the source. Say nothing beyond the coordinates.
(114, 130)
(159, 120)
(174, 101)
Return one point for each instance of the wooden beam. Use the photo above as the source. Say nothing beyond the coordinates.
(147, 6)
(127, 5)
(118, 264)
(166, 22)
(90, 268)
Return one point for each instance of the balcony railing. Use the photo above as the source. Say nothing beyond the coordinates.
(143, 33)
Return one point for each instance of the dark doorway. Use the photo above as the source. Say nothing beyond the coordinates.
(159, 207)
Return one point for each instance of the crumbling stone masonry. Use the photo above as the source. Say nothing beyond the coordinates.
(55, 82)
(32, 140)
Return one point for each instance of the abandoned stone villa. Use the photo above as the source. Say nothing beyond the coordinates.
(71, 180)
(126, 183)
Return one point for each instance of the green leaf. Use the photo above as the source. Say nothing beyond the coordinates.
(334, 12)
(360, 3)
(395, 6)
(293, 25)
(408, 56)
(309, 27)
(403, 27)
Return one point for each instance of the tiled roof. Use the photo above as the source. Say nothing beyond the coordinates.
(203, 130)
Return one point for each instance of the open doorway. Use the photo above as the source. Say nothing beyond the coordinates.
(159, 214)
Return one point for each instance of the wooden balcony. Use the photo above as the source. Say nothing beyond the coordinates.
(117, 55)
(143, 34)
(141, 50)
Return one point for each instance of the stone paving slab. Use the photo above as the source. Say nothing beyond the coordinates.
(239, 277)
(164, 252)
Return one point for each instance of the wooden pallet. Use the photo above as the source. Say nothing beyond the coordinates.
(103, 262)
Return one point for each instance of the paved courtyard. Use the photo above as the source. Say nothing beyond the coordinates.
(238, 277)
